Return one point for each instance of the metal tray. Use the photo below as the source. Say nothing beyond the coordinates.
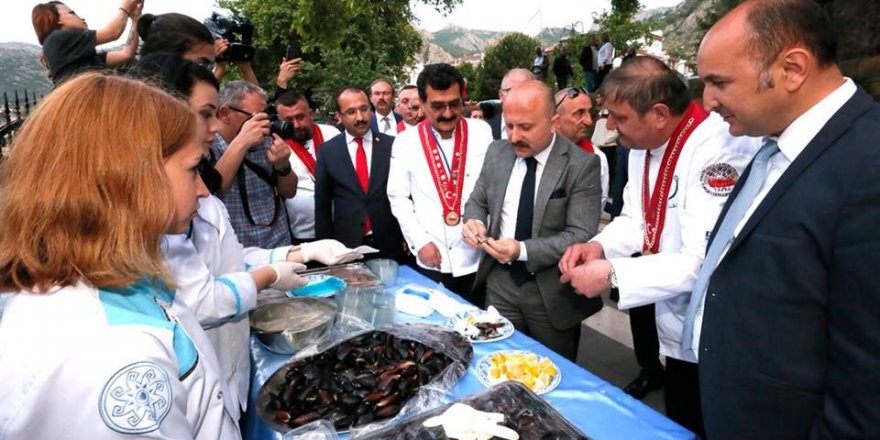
(525, 412)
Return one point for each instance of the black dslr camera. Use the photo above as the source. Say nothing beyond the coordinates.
(282, 128)
(240, 34)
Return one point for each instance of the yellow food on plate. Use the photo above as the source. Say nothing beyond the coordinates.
(534, 372)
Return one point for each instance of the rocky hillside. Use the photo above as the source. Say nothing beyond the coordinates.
(20, 69)
(454, 41)
(682, 28)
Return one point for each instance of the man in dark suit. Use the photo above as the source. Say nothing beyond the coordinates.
(512, 78)
(537, 194)
(384, 119)
(351, 176)
(784, 314)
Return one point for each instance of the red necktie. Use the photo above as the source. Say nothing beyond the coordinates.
(362, 174)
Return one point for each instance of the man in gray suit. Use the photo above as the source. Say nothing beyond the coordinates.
(537, 194)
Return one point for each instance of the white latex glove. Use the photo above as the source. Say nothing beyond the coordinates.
(463, 422)
(329, 252)
(286, 277)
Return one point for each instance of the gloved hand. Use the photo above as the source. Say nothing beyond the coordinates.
(328, 252)
(463, 422)
(286, 277)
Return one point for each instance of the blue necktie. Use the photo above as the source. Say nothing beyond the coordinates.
(724, 236)
(524, 216)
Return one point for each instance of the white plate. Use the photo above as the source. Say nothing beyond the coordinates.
(484, 364)
(505, 330)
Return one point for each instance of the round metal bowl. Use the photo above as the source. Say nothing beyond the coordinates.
(290, 325)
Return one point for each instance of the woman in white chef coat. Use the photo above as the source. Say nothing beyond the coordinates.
(90, 345)
(208, 261)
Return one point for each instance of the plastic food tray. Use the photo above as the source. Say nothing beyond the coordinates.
(525, 412)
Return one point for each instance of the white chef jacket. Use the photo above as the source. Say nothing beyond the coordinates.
(301, 208)
(209, 269)
(416, 205)
(79, 362)
(666, 278)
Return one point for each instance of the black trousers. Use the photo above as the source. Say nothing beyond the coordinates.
(645, 341)
(683, 395)
(463, 285)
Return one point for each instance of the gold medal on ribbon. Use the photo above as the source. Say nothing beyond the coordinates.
(452, 218)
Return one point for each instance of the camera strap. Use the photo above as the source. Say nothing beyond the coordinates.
(271, 180)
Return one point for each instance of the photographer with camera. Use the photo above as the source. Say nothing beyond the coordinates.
(254, 162)
(232, 44)
(69, 46)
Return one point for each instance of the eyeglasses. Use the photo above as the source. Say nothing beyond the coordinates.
(238, 110)
(571, 93)
(453, 105)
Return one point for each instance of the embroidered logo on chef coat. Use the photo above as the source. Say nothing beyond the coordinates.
(719, 179)
(136, 399)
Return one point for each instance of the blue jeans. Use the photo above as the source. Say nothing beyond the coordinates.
(590, 81)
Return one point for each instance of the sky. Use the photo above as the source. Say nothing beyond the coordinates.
(526, 16)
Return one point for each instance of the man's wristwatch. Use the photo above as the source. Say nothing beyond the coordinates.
(284, 171)
(612, 279)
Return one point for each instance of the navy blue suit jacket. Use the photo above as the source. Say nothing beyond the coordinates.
(790, 343)
(341, 204)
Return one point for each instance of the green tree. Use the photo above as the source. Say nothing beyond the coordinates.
(469, 72)
(512, 51)
(620, 24)
(343, 41)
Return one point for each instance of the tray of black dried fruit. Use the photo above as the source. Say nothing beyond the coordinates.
(393, 371)
(524, 412)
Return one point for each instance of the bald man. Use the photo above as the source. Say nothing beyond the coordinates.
(542, 194)
(512, 78)
(784, 313)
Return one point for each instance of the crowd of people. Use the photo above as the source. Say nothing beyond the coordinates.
(742, 242)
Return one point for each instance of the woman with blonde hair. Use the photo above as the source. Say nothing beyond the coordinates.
(90, 346)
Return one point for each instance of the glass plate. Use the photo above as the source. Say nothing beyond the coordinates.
(484, 364)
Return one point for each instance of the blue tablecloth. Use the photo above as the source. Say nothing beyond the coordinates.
(599, 409)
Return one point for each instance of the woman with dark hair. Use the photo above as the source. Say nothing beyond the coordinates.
(178, 34)
(209, 259)
(69, 45)
(185, 37)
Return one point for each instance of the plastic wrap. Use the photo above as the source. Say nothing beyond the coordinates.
(524, 412)
(414, 350)
(319, 430)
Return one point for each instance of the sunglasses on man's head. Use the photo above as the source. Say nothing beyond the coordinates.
(571, 93)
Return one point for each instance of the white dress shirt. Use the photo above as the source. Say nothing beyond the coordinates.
(416, 205)
(791, 143)
(510, 206)
(353, 148)
(667, 277)
(392, 124)
(301, 209)
(606, 54)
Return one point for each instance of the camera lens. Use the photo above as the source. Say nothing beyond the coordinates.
(283, 129)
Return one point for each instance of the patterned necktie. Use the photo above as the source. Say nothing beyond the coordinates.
(724, 237)
(363, 174)
(524, 214)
